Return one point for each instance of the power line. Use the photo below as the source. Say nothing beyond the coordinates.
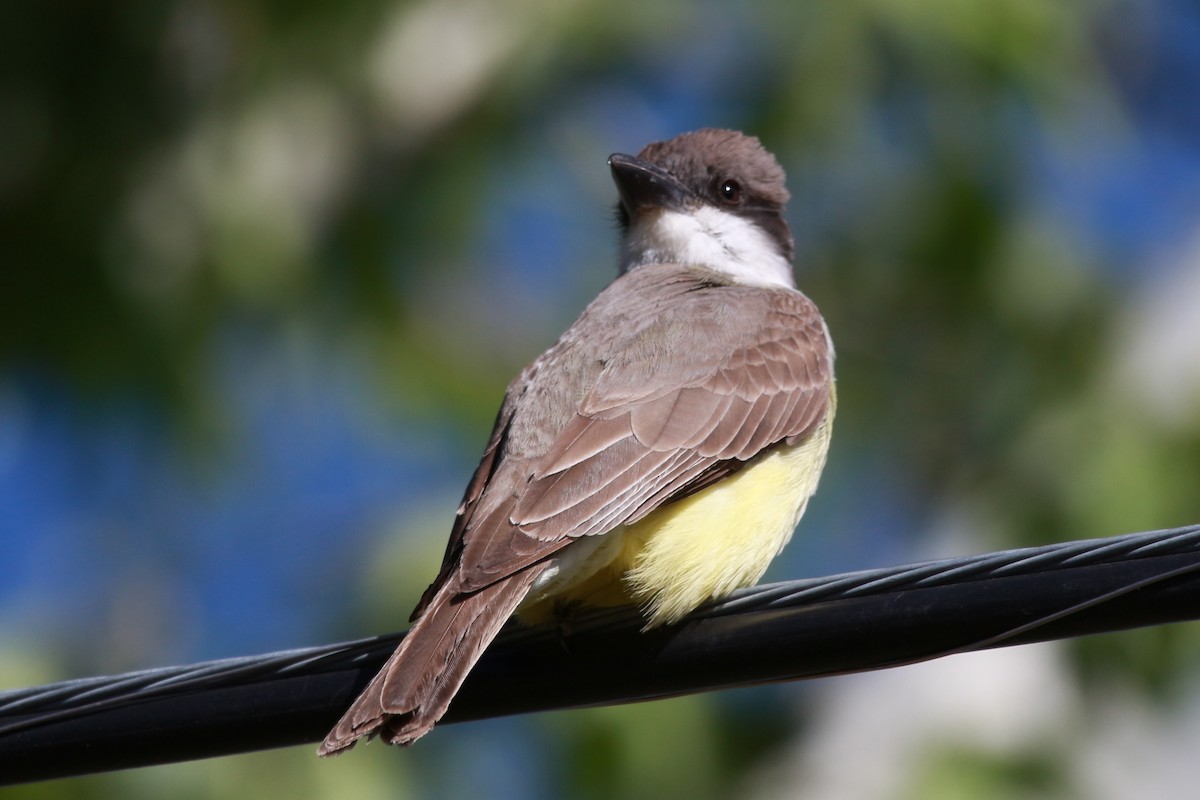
(787, 631)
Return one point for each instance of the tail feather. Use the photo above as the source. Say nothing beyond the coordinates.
(414, 688)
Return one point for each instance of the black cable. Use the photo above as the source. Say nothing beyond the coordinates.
(799, 629)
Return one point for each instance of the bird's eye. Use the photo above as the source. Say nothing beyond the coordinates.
(731, 191)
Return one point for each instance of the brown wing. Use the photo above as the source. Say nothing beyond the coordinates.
(475, 488)
(666, 385)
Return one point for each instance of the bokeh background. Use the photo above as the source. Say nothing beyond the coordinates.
(267, 268)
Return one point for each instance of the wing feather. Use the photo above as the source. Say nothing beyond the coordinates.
(583, 438)
(662, 388)
(587, 487)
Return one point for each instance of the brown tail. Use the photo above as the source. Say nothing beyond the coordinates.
(414, 688)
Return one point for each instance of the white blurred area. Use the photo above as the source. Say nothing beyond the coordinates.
(248, 189)
(892, 734)
(434, 59)
(872, 736)
(1157, 347)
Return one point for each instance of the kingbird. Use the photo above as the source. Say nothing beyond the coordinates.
(660, 453)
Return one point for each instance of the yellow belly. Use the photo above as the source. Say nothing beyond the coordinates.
(702, 547)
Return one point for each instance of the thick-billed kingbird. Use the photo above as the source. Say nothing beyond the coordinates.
(660, 453)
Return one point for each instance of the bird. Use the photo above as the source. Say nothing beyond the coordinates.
(659, 454)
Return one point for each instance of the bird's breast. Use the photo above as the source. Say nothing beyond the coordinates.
(701, 547)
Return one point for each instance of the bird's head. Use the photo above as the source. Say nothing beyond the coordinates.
(711, 198)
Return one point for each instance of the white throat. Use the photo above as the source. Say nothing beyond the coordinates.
(707, 237)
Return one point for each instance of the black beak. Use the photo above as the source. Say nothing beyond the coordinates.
(643, 185)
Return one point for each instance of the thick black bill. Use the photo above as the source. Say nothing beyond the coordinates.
(643, 185)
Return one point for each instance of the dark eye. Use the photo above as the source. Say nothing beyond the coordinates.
(731, 191)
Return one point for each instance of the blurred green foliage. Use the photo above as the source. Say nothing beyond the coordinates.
(170, 173)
